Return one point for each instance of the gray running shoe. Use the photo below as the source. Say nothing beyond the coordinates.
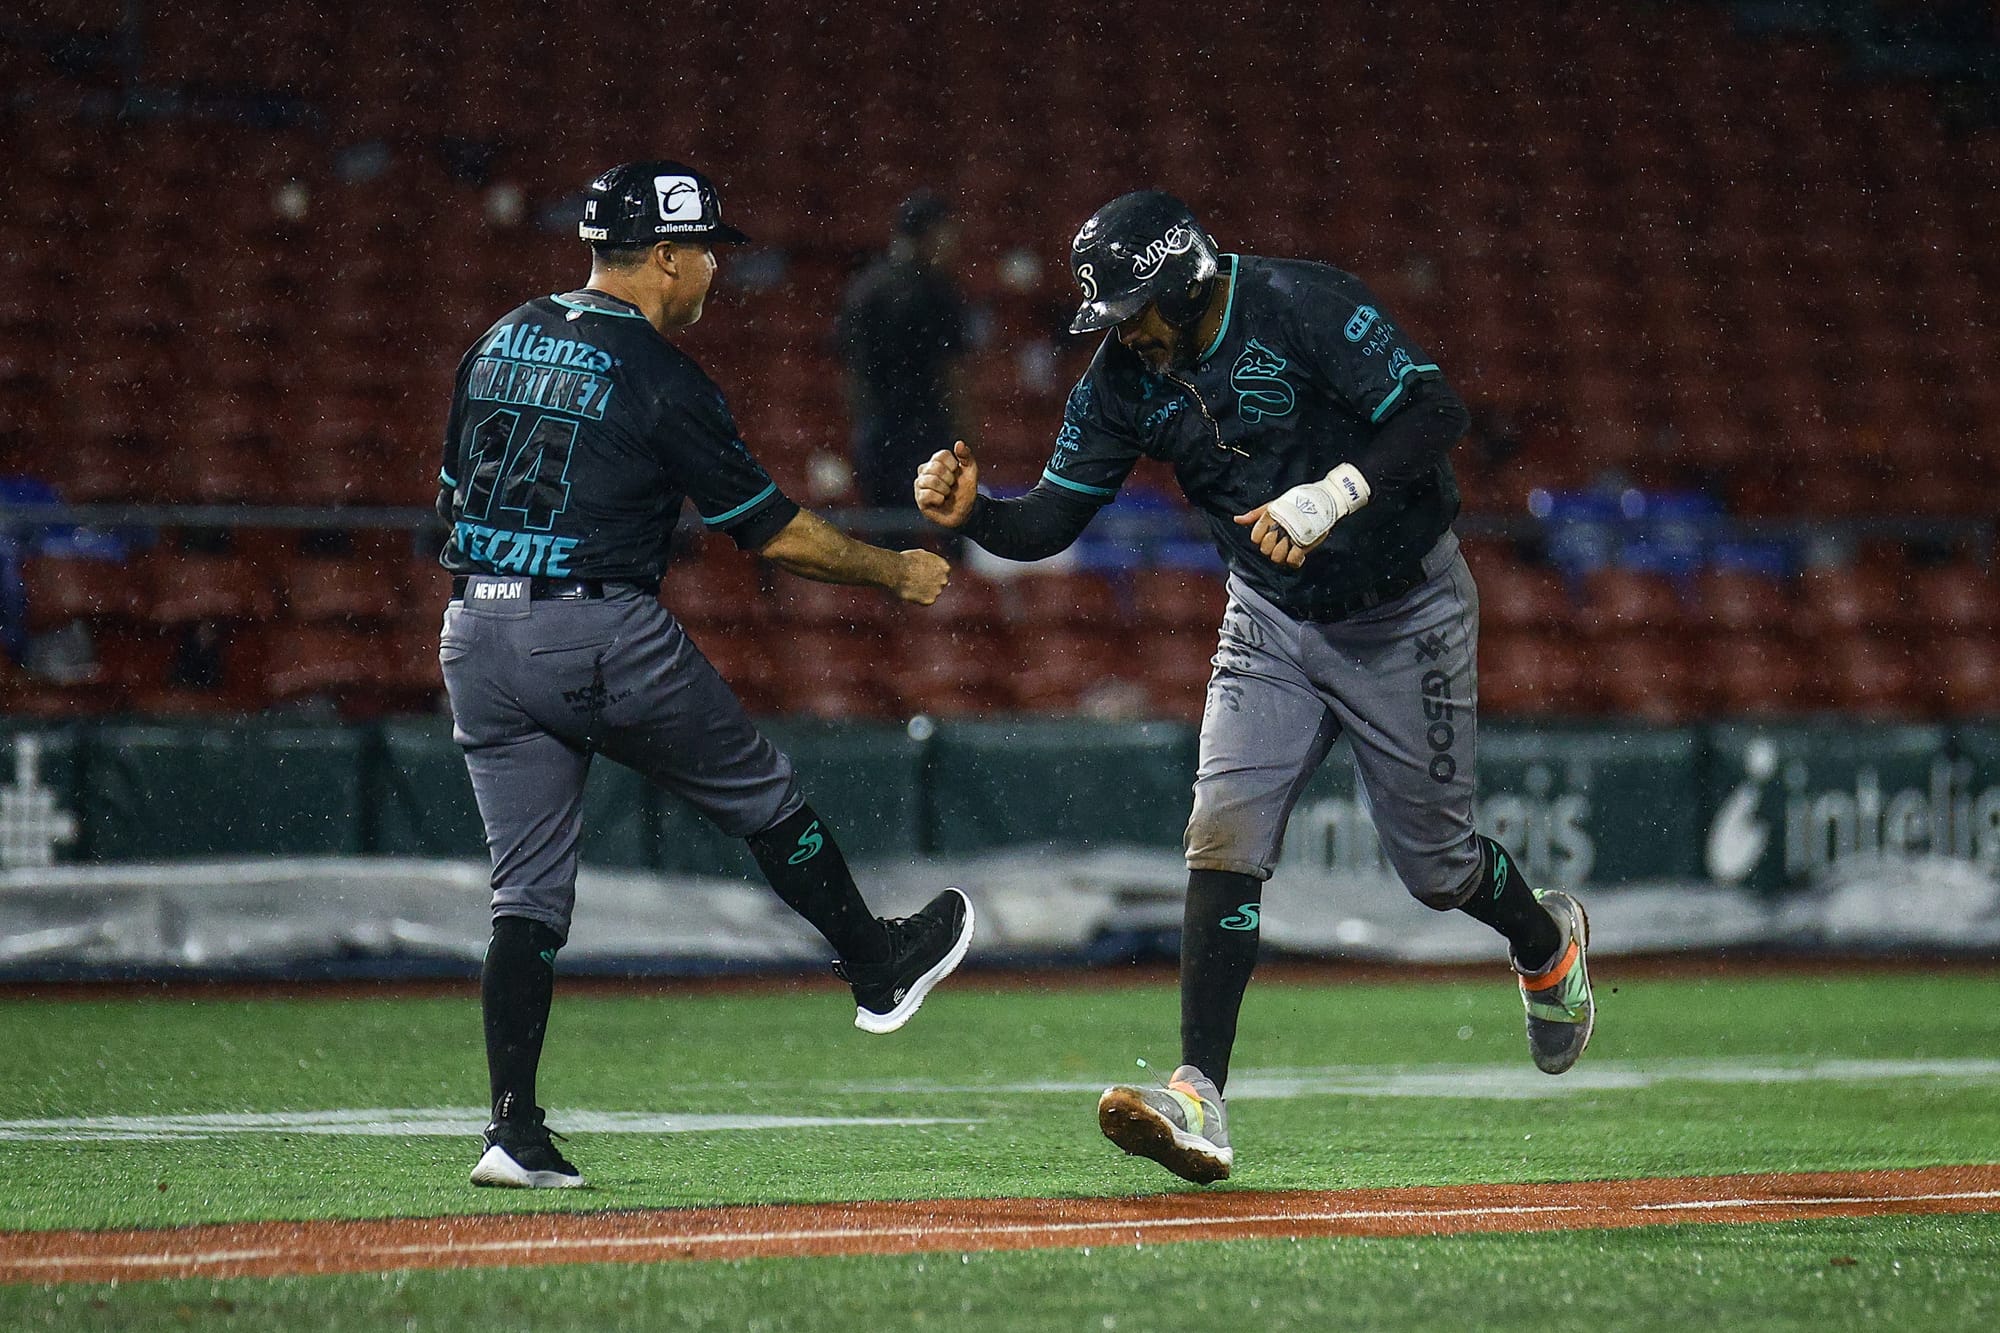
(1180, 1126)
(1561, 1012)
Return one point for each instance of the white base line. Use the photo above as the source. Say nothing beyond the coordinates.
(210, 1258)
(1793, 1203)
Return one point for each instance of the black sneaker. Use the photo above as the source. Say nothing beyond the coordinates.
(923, 950)
(521, 1154)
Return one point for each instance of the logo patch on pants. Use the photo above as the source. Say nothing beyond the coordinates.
(1440, 735)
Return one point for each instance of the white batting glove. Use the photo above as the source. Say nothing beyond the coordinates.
(1307, 513)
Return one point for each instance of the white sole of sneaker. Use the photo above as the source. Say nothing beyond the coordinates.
(1143, 1132)
(497, 1168)
(895, 1018)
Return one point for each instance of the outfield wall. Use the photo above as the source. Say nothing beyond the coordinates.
(282, 845)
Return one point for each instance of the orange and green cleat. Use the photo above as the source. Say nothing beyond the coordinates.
(1561, 1012)
(1180, 1126)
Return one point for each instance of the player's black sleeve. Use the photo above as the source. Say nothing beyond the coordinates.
(1418, 432)
(702, 450)
(1034, 527)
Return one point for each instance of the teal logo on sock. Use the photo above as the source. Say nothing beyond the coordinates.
(809, 844)
(1243, 918)
(548, 956)
(1499, 871)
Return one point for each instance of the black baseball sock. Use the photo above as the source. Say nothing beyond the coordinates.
(1502, 899)
(1218, 951)
(803, 863)
(515, 988)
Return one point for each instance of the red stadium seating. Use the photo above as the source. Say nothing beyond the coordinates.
(1178, 599)
(62, 590)
(185, 588)
(292, 339)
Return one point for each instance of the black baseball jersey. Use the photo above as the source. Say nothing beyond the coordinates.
(576, 431)
(1299, 379)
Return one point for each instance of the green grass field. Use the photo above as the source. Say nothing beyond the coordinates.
(1336, 1086)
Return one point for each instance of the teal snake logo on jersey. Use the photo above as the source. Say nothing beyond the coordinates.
(1260, 390)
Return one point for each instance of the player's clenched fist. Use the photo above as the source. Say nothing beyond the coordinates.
(924, 576)
(947, 485)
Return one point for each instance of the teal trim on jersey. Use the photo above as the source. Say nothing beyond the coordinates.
(595, 309)
(1228, 311)
(1076, 486)
(1402, 381)
(447, 478)
(743, 508)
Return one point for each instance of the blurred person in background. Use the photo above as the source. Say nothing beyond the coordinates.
(901, 334)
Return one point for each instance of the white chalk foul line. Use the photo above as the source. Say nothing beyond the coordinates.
(1507, 1083)
(1817, 1201)
(400, 1122)
(693, 1240)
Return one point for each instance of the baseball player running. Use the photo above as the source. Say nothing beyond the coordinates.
(576, 431)
(1311, 433)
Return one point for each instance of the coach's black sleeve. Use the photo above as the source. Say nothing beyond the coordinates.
(1034, 527)
(1419, 431)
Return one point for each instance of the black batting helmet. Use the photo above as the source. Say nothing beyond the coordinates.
(1142, 247)
(636, 202)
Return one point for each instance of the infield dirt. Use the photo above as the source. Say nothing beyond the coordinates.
(273, 1249)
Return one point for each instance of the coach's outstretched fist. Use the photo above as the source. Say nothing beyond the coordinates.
(947, 485)
(925, 574)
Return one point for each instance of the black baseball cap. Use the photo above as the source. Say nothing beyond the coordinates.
(637, 202)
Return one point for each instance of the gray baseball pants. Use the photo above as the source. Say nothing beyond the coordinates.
(1401, 680)
(538, 688)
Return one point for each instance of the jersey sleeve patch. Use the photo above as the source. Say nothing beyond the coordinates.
(1405, 373)
(1095, 446)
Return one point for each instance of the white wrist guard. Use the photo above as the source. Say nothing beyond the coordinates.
(1307, 513)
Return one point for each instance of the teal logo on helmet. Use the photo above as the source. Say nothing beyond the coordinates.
(1261, 389)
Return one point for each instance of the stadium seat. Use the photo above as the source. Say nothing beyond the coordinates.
(1520, 599)
(326, 591)
(301, 661)
(1174, 667)
(1966, 675)
(948, 672)
(830, 606)
(60, 590)
(719, 591)
(189, 587)
(1057, 667)
(1739, 601)
(1531, 675)
(1753, 676)
(971, 604)
(1620, 602)
(834, 673)
(1871, 678)
(1647, 678)
(1176, 599)
(1846, 601)
(1959, 598)
(1075, 600)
